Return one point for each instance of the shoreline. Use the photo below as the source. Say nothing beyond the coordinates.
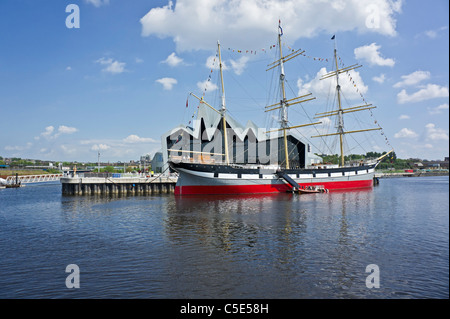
(405, 174)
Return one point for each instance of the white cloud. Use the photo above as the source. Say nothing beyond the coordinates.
(438, 109)
(69, 68)
(321, 88)
(49, 130)
(136, 139)
(405, 133)
(167, 83)
(212, 62)
(97, 3)
(404, 117)
(18, 148)
(208, 85)
(131, 146)
(100, 147)
(435, 134)
(371, 54)
(433, 34)
(112, 66)
(252, 24)
(380, 79)
(62, 129)
(413, 78)
(68, 149)
(430, 91)
(239, 65)
(173, 60)
(14, 148)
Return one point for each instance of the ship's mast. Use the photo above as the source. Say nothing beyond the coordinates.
(340, 111)
(223, 108)
(284, 115)
(222, 111)
(340, 127)
(284, 103)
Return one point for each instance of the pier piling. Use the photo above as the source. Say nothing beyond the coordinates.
(123, 186)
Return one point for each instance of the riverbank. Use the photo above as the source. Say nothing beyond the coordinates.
(406, 174)
(12, 172)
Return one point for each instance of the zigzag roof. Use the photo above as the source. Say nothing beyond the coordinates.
(211, 120)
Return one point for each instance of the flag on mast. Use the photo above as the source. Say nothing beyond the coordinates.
(279, 26)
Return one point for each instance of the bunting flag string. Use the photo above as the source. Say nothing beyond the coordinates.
(204, 90)
(315, 58)
(307, 56)
(350, 78)
(254, 52)
(265, 50)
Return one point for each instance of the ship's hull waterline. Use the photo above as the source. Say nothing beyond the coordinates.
(197, 179)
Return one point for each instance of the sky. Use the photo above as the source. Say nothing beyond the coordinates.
(79, 77)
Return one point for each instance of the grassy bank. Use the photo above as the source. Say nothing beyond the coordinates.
(10, 172)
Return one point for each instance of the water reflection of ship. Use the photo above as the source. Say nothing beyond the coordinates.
(349, 235)
(235, 224)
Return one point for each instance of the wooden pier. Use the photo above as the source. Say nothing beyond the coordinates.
(118, 186)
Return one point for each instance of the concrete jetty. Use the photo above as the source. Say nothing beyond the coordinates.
(124, 185)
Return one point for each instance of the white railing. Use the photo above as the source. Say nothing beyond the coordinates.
(22, 179)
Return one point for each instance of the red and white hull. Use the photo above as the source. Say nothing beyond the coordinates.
(207, 179)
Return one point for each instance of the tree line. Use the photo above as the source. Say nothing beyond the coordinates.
(390, 161)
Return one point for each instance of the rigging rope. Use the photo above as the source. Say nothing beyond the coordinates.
(349, 77)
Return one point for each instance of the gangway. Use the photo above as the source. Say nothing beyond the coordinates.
(288, 179)
(23, 179)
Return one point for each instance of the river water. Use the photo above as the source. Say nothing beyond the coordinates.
(260, 246)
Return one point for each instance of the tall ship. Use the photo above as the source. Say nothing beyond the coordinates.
(218, 155)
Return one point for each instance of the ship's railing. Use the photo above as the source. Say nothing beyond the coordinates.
(208, 160)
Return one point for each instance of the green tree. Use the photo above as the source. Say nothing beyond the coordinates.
(108, 169)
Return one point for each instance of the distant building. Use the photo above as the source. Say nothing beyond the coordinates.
(157, 162)
(146, 158)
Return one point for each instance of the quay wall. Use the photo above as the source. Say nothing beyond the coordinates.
(117, 186)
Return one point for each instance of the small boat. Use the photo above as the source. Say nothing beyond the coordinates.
(13, 185)
(5, 184)
(311, 190)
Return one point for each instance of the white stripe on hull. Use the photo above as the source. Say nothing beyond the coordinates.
(195, 178)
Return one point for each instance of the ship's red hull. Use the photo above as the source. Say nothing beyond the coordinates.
(200, 179)
(265, 188)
